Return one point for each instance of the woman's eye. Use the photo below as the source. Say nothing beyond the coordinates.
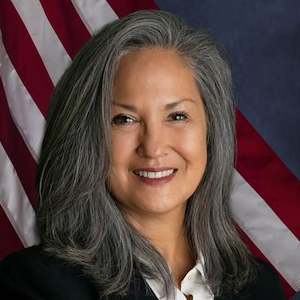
(122, 120)
(179, 116)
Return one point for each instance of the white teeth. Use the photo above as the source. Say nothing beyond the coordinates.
(155, 174)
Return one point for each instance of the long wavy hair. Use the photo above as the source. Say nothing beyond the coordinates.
(77, 217)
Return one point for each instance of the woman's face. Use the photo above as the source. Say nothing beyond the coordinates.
(158, 134)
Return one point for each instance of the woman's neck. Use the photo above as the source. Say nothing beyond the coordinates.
(168, 235)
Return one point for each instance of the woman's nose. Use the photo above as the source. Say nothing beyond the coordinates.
(153, 142)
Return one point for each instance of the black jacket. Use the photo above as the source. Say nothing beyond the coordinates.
(32, 275)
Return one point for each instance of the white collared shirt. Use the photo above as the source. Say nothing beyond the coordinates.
(192, 284)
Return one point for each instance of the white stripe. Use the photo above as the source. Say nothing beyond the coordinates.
(266, 230)
(15, 203)
(94, 13)
(26, 115)
(46, 41)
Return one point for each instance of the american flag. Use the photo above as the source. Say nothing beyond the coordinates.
(38, 39)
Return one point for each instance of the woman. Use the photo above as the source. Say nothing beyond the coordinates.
(134, 175)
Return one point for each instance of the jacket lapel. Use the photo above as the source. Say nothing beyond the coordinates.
(139, 290)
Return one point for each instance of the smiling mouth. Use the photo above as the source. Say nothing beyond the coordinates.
(155, 175)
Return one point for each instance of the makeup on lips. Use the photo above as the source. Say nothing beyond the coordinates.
(155, 176)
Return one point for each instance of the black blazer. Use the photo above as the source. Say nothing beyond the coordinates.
(32, 275)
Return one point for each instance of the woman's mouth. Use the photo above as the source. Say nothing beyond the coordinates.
(159, 174)
(155, 177)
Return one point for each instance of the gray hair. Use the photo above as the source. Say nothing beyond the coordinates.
(78, 218)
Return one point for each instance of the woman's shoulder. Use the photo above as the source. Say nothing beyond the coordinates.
(268, 281)
(33, 255)
(32, 274)
(267, 284)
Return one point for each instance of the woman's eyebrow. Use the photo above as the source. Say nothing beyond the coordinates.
(125, 106)
(172, 105)
(168, 106)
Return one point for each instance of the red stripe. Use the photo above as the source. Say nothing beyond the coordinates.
(24, 56)
(267, 174)
(289, 291)
(125, 7)
(16, 149)
(67, 24)
(9, 240)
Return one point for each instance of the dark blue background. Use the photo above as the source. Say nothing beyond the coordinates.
(263, 41)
